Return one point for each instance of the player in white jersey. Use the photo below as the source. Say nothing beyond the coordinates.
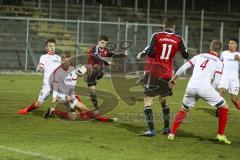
(202, 84)
(47, 64)
(230, 76)
(64, 82)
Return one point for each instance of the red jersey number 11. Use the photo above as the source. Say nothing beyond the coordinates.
(166, 50)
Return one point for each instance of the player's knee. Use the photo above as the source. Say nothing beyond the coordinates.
(148, 101)
(234, 98)
(221, 91)
(185, 107)
(92, 89)
(221, 104)
(38, 104)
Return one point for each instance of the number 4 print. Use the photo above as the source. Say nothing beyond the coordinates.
(203, 65)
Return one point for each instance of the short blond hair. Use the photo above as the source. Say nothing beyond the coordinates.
(216, 45)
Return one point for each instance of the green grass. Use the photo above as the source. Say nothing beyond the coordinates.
(77, 140)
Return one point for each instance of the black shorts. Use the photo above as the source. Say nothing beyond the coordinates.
(156, 86)
(97, 73)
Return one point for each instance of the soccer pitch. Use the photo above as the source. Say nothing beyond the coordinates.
(32, 137)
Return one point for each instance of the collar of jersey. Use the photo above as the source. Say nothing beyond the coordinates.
(64, 68)
(168, 31)
(101, 49)
(232, 51)
(212, 54)
(50, 53)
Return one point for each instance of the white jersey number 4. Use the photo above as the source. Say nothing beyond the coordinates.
(166, 49)
(204, 64)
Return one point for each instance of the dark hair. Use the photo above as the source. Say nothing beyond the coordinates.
(234, 39)
(103, 37)
(168, 23)
(51, 40)
(216, 45)
(66, 55)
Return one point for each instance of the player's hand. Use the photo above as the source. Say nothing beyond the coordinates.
(126, 53)
(111, 63)
(139, 55)
(171, 83)
(69, 98)
(236, 57)
(39, 69)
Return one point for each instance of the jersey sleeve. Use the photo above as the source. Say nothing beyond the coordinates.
(41, 64)
(115, 55)
(219, 68)
(217, 75)
(186, 66)
(151, 47)
(192, 61)
(221, 56)
(183, 50)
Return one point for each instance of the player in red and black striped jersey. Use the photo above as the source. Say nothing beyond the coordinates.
(158, 71)
(98, 55)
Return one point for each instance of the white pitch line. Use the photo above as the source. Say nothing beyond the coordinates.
(29, 153)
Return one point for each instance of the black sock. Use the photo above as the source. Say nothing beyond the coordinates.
(149, 117)
(166, 115)
(93, 97)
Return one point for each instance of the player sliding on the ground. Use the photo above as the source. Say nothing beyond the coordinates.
(47, 64)
(202, 84)
(64, 82)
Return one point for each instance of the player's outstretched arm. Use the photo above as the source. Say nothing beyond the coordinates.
(216, 80)
(172, 82)
(143, 53)
(139, 55)
(179, 72)
(118, 55)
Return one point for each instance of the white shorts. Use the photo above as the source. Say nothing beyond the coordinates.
(44, 93)
(231, 85)
(209, 94)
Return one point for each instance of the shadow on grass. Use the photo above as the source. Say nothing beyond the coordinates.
(38, 113)
(132, 127)
(211, 111)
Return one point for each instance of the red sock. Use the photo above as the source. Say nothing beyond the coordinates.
(103, 118)
(60, 113)
(91, 114)
(178, 120)
(31, 107)
(222, 119)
